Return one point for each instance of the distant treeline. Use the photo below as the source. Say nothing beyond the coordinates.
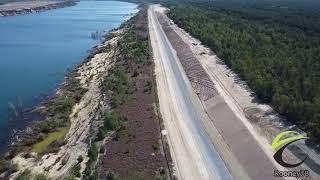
(7, 1)
(275, 47)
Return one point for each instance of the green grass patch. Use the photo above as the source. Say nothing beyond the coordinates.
(51, 137)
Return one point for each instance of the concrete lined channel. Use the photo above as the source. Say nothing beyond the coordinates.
(200, 153)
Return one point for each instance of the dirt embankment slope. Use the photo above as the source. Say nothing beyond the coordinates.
(26, 7)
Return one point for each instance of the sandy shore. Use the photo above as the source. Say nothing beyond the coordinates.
(16, 8)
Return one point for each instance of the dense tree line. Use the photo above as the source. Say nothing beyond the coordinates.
(275, 48)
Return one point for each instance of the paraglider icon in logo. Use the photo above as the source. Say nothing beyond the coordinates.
(279, 144)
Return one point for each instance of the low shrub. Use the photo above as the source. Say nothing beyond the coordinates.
(80, 159)
(93, 152)
(102, 132)
(25, 175)
(110, 175)
(76, 171)
(148, 86)
(117, 82)
(40, 177)
(46, 126)
(8, 166)
(112, 121)
(102, 150)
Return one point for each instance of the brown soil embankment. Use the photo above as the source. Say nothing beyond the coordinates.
(139, 151)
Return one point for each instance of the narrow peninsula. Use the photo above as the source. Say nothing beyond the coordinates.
(26, 7)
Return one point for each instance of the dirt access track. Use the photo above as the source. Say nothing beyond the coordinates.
(207, 138)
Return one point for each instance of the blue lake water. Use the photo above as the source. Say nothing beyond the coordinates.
(37, 49)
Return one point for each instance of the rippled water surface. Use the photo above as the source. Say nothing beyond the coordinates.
(37, 49)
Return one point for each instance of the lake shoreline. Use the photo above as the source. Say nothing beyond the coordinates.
(28, 115)
(42, 111)
(20, 8)
(69, 45)
(32, 113)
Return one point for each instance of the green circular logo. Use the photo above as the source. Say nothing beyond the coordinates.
(281, 141)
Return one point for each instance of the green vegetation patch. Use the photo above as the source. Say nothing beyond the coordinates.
(133, 54)
(111, 122)
(25, 175)
(50, 138)
(90, 172)
(8, 166)
(117, 82)
(47, 135)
